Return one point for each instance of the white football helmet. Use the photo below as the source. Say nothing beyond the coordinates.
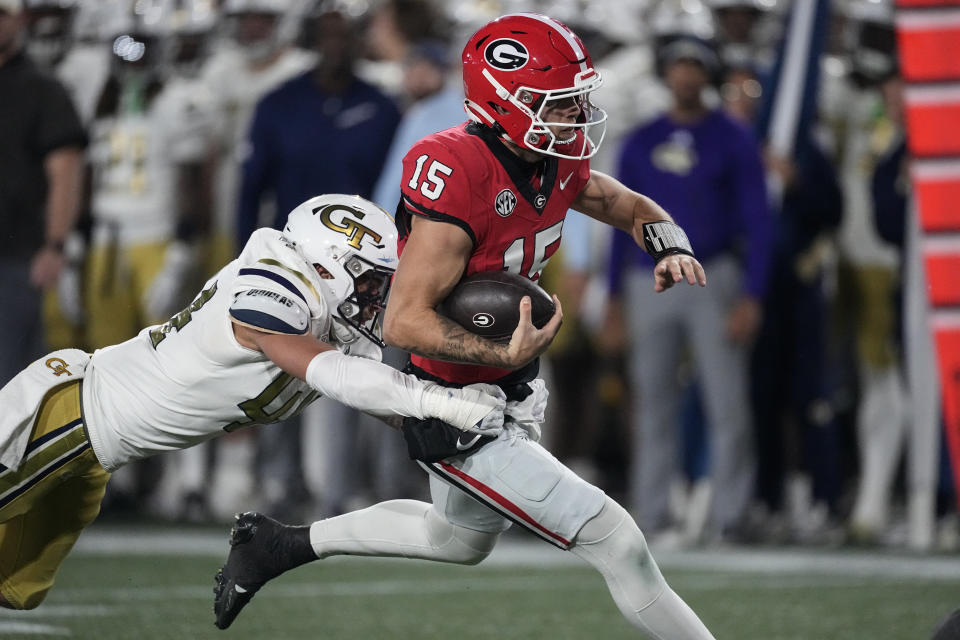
(190, 27)
(137, 36)
(49, 29)
(258, 27)
(356, 241)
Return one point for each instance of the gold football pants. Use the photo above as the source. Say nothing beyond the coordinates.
(47, 502)
(117, 277)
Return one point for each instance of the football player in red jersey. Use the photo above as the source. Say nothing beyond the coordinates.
(492, 194)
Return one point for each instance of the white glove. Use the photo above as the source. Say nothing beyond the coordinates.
(477, 408)
(70, 283)
(529, 413)
(163, 297)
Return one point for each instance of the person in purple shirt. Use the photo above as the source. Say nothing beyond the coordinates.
(706, 170)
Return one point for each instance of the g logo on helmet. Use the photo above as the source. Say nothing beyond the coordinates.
(349, 227)
(506, 54)
(483, 320)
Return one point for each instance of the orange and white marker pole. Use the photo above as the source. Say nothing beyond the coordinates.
(928, 33)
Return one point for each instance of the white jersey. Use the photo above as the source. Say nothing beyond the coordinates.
(237, 88)
(856, 113)
(83, 71)
(188, 380)
(135, 156)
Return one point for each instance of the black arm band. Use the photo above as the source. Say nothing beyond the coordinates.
(664, 238)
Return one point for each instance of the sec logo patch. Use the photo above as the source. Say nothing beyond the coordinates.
(505, 203)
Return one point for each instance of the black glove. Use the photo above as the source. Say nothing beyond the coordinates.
(434, 440)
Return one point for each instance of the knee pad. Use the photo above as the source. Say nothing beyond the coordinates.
(613, 543)
(603, 525)
(459, 544)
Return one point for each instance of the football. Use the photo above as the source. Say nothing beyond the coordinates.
(488, 304)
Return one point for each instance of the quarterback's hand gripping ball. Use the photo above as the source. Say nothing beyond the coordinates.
(488, 304)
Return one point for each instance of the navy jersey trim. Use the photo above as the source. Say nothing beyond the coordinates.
(43, 473)
(270, 275)
(50, 435)
(265, 321)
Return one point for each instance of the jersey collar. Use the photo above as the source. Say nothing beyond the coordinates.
(520, 172)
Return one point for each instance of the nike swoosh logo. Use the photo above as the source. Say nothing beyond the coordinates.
(463, 446)
(564, 182)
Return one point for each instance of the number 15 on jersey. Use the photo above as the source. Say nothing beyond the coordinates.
(433, 185)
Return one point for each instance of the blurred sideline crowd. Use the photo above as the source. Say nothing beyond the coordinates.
(773, 407)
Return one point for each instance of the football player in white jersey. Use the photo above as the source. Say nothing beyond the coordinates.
(297, 315)
(186, 111)
(256, 58)
(147, 140)
(65, 37)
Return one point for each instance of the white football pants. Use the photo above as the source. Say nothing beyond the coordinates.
(526, 484)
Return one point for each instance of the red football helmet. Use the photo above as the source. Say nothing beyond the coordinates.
(518, 67)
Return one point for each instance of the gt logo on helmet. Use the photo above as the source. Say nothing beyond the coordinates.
(506, 54)
(355, 231)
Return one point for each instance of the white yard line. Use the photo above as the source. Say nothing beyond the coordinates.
(321, 589)
(520, 552)
(480, 582)
(32, 628)
(57, 611)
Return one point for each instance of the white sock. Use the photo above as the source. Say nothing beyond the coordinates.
(400, 529)
(232, 478)
(614, 545)
(193, 468)
(880, 432)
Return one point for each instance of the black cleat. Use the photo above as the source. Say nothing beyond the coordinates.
(260, 549)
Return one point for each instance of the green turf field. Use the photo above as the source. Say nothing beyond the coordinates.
(143, 584)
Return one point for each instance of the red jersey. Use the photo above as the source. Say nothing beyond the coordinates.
(511, 209)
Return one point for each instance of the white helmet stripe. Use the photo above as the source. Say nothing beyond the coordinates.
(550, 22)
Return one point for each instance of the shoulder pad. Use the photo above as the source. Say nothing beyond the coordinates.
(270, 311)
